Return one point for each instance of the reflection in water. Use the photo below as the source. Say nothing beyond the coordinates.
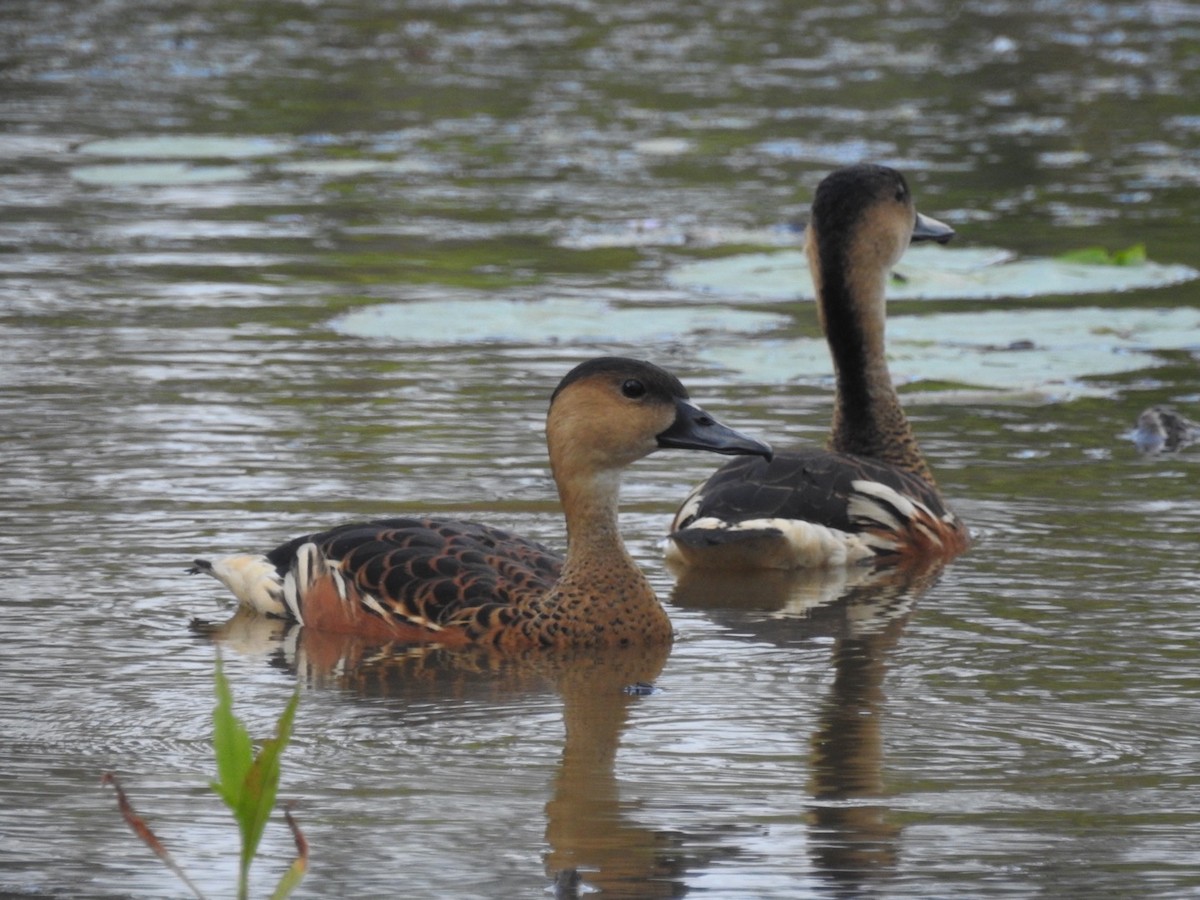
(865, 610)
(853, 840)
(592, 842)
(796, 604)
(591, 838)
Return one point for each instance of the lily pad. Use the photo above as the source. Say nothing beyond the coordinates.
(1039, 353)
(929, 273)
(559, 320)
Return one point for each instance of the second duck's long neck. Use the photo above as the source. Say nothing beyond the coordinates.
(868, 419)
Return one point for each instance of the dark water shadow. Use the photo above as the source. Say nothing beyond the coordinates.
(595, 846)
(854, 842)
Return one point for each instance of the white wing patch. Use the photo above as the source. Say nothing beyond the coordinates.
(882, 513)
(780, 544)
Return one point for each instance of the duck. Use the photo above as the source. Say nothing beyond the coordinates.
(1163, 429)
(429, 580)
(868, 496)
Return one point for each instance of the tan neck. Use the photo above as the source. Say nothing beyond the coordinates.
(602, 595)
(590, 506)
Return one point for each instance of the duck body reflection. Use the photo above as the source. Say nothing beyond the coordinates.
(593, 839)
(853, 841)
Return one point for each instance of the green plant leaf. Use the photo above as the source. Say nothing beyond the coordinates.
(257, 797)
(231, 745)
(1131, 256)
(1098, 256)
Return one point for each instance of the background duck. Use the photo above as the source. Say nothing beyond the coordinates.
(460, 583)
(870, 495)
(1162, 429)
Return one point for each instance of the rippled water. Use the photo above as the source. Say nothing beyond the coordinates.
(192, 197)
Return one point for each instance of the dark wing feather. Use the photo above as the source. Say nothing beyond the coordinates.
(438, 571)
(809, 485)
(896, 512)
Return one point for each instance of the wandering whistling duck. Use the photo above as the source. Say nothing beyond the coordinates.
(1161, 429)
(459, 583)
(870, 495)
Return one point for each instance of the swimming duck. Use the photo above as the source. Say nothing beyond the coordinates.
(1162, 429)
(870, 495)
(460, 583)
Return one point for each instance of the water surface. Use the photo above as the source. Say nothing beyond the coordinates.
(194, 197)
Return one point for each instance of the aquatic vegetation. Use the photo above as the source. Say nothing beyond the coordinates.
(1098, 256)
(246, 782)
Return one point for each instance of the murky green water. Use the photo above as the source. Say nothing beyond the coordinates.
(192, 198)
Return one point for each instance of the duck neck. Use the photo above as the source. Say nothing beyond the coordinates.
(602, 597)
(868, 419)
(590, 505)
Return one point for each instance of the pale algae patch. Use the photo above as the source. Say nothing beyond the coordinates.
(156, 173)
(187, 146)
(193, 159)
(1041, 353)
(557, 320)
(927, 273)
(174, 159)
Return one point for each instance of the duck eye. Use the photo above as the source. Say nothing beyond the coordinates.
(633, 389)
(900, 195)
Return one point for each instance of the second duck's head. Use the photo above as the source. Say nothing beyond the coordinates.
(609, 412)
(863, 219)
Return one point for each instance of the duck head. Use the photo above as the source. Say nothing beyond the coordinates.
(610, 412)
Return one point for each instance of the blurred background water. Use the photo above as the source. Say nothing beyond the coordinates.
(196, 200)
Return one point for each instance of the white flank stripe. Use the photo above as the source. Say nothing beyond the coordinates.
(805, 544)
(371, 602)
(291, 596)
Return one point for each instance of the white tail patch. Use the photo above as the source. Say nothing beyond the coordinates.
(253, 580)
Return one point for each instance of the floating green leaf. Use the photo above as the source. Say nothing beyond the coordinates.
(1038, 353)
(1098, 256)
